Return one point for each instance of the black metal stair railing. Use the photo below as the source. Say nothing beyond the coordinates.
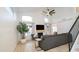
(73, 33)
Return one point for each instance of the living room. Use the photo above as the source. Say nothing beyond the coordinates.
(39, 23)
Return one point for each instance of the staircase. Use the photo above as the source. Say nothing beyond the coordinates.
(74, 33)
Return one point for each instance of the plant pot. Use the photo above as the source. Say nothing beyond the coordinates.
(23, 41)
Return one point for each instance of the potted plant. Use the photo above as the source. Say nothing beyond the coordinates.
(22, 28)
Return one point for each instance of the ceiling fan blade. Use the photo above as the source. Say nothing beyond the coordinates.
(51, 12)
(45, 12)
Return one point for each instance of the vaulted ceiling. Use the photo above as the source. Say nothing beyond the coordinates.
(61, 12)
(39, 9)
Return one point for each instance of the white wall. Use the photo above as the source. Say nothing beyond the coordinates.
(8, 35)
(64, 27)
(37, 18)
(75, 47)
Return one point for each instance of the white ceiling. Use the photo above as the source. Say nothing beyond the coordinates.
(40, 9)
(61, 12)
(29, 9)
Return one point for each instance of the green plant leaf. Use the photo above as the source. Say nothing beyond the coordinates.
(22, 27)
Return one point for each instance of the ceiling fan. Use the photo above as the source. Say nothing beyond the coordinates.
(49, 12)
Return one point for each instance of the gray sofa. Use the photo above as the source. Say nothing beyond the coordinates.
(52, 41)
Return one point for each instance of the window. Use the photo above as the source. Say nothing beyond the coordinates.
(26, 18)
(54, 28)
(28, 21)
(30, 29)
